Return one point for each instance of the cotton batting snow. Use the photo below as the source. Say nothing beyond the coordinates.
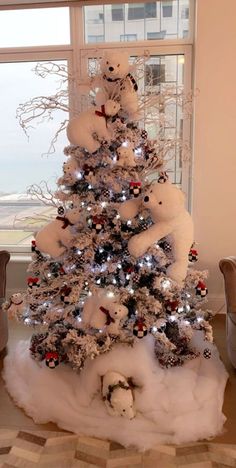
(176, 405)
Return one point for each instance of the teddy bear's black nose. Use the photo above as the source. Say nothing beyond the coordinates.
(146, 199)
(111, 68)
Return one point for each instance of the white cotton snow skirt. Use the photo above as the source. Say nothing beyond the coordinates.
(176, 405)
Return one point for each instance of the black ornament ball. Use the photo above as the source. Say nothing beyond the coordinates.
(60, 210)
(52, 359)
(207, 353)
(140, 330)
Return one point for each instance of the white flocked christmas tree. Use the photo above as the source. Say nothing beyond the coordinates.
(122, 347)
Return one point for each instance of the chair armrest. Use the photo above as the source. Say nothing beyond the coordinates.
(4, 259)
(228, 268)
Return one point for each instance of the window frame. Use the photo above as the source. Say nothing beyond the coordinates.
(77, 53)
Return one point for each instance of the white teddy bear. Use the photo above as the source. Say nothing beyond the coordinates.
(116, 82)
(117, 395)
(81, 130)
(15, 305)
(71, 171)
(166, 203)
(101, 311)
(57, 236)
(125, 156)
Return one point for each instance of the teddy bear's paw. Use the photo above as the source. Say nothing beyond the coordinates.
(177, 272)
(136, 247)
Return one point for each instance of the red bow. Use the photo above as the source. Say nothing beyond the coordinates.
(32, 280)
(102, 113)
(109, 319)
(51, 355)
(65, 221)
(66, 290)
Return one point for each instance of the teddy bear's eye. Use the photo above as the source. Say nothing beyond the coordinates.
(107, 63)
(118, 65)
(123, 410)
(150, 191)
(160, 202)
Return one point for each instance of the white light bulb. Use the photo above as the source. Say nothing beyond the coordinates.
(103, 204)
(110, 294)
(129, 222)
(78, 175)
(127, 277)
(138, 151)
(117, 216)
(89, 208)
(79, 252)
(166, 284)
(199, 319)
(141, 217)
(154, 329)
(114, 281)
(131, 291)
(79, 319)
(180, 309)
(98, 281)
(172, 318)
(125, 143)
(124, 197)
(119, 266)
(101, 249)
(90, 186)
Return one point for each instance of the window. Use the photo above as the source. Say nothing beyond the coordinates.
(34, 27)
(117, 12)
(128, 37)
(115, 20)
(154, 74)
(185, 13)
(142, 10)
(45, 34)
(167, 9)
(93, 39)
(156, 35)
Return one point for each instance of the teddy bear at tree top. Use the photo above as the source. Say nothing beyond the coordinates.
(116, 82)
(82, 129)
(166, 203)
(58, 235)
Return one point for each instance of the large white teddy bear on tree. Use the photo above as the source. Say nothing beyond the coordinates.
(116, 82)
(57, 236)
(81, 130)
(166, 204)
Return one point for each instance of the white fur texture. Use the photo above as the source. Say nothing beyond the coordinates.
(115, 66)
(53, 239)
(126, 156)
(93, 317)
(173, 406)
(16, 305)
(121, 402)
(71, 170)
(81, 129)
(166, 204)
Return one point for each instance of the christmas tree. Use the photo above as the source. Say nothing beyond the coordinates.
(112, 295)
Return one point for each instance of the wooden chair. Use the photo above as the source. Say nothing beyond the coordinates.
(4, 259)
(228, 268)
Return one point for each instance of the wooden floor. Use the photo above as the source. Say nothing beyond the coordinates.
(25, 444)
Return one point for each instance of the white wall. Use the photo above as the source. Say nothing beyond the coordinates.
(214, 170)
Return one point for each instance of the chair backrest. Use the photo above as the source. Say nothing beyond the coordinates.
(228, 268)
(4, 259)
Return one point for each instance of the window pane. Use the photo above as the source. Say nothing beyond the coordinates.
(35, 27)
(138, 21)
(161, 73)
(22, 163)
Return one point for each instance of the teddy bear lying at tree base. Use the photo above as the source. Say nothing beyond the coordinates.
(117, 395)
